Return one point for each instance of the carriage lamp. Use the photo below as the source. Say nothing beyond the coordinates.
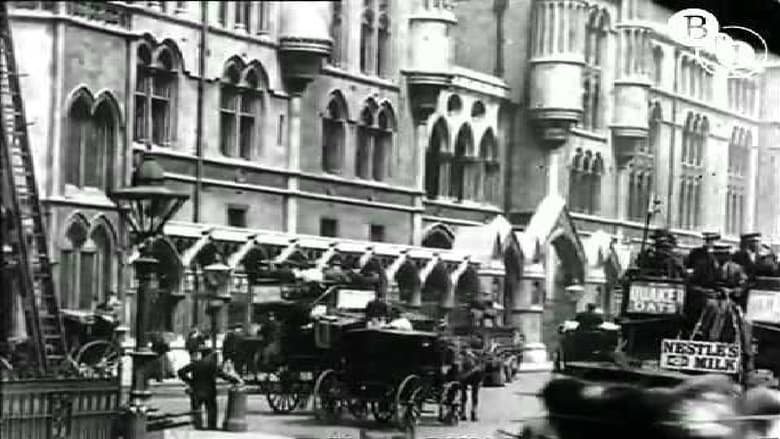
(217, 277)
(146, 205)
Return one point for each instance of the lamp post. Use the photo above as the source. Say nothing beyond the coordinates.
(217, 276)
(145, 206)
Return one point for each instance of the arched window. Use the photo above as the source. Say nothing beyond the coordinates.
(491, 168)
(383, 45)
(459, 171)
(75, 281)
(79, 133)
(334, 134)
(739, 152)
(695, 134)
(101, 269)
(383, 147)
(585, 174)
(336, 30)
(243, 11)
(100, 160)
(366, 134)
(594, 184)
(155, 94)
(595, 39)
(437, 160)
(240, 104)
(367, 36)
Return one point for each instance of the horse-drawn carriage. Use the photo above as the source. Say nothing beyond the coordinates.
(393, 373)
(500, 348)
(673, 322)
(92, 341)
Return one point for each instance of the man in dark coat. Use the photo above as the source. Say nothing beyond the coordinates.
(747, 255)
(201, 378)
(703, 262)
(589, 319)
(377, 312)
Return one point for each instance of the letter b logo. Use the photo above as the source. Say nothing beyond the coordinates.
(694, 27)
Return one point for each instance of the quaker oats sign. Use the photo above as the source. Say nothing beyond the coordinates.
(700, 356)
(655, 298)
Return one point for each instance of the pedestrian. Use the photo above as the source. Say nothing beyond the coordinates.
(200, 376)
(195, 339)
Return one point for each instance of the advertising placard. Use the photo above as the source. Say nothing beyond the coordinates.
(656, 298)
(266, 293)
(763, 306)
(700, 356)
(354, 299)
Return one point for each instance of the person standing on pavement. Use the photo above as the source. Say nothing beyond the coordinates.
(200, 376)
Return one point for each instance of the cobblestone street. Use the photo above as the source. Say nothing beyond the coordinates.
(500, 408)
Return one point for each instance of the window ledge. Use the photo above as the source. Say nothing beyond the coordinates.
(465, 204)
(360, 77)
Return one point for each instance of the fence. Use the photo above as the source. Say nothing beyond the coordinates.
(61, 408)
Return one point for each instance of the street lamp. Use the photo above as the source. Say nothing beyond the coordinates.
(217, 277)
(145, 206)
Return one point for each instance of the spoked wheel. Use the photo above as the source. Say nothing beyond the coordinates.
(412, 408)
(100, 356)
(358, 408)
(325, 399)
(283, 393)
(404, 395)
(449, 403)
(383, 410)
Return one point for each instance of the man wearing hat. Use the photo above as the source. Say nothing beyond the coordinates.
(201, 378)
(747, 255)
(703, 261)
(661, 258)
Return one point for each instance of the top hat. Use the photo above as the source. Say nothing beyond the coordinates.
(750, 236)
(710, 236)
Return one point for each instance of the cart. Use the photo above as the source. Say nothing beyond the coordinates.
(393, 374)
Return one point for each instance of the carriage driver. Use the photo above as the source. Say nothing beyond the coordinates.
(703, 262)
(377, 312)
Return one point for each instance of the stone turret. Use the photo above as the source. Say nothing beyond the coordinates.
(632, 82)
(304, 41)
(429, 66)
(557, 60)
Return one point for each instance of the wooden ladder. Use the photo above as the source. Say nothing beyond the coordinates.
(33, 275)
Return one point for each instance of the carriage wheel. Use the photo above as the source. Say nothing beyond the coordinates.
(283, 394)
(100, 355)
(358, 408)
(383, 410)
(404, 393)
(411, 410)
(449, 403)
(325, 400)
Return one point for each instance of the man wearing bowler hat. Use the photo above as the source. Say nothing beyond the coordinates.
(749, 257)
(703, 262)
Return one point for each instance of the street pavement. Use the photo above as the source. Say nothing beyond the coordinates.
(500, 408)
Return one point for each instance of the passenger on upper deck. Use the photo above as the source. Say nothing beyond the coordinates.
(589, 319)
(755, 260)
(703, 262)
(660, 259)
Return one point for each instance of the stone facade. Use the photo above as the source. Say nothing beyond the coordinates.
(546, 125)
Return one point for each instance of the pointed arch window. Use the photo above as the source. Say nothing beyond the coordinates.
(90, 145)
(85, 266)
(365, 142)
(367, 36)
(695, 135)
(78, 141)
(383, 148)
(437, 161)
(154, 95)
(461, 168)
(595, 39)
(739, 150)
(491, 169)
(333, 135)
(585, 175)
(240, 105)
(383, 39)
